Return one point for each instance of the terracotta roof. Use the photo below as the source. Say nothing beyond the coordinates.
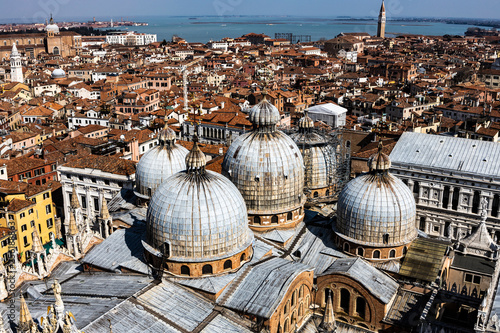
(16, 205)
(108, 164)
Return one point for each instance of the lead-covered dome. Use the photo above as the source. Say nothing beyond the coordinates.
(267, 168)
(377, 209)
(159, 163)
(319, 157)
(198, 216)
(58, 73)
(52, 27)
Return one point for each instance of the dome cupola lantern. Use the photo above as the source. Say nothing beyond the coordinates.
(195, 160)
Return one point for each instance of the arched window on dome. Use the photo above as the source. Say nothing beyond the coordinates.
(392, 253)
(346, 247)
(55, 50)
(185, 270)
(294, 297)
(405, 249)
(228, 264)
(316, 194)
(289, 216)
(360, 251)
(286, 326)
(327, 193)
(376, 254)
(207, 269)
(385, 238)
(256, 220)
(274, 219)
(243, 257)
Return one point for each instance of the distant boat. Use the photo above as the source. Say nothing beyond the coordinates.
(223, 25)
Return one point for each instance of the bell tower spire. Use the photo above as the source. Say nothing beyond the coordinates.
(16, 68)
(381, 21)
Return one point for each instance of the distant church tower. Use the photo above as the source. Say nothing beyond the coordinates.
(16, 69)
(381, 22)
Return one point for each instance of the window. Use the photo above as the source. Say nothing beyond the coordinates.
(185, 270)
(80, 178)
(50, 223)
(11, 217)
(360, 251)
(392, 254)
(96, 204)
(24, 228)
(476, 279)
(84, 202)
(346, 247)
(228, 264)
(22, 215)
(48, 209)
(361, 307)
(207, 269)
(376, 254)
(94, 180)
(46, 195)
(25, 241)
(345, 300)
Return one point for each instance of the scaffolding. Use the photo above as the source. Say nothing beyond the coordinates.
(337, 157)
(294, 39)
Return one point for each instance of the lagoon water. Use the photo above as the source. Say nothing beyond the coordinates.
(203, 29)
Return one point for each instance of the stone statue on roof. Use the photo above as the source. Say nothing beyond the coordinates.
(484, 208)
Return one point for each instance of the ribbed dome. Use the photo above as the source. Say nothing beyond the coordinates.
(201, 216)
(195, 160)
(379, 161)
(306, 122)
(319, 158)
(376, 204)
(58, 74)
(268, 169)
(159, 163)
(264, 114)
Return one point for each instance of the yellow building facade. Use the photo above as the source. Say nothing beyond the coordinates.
(27, 207)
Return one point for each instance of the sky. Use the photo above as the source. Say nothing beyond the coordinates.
(25, 11)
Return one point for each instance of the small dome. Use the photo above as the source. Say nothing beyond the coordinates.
(159, 163)
(58, 73)
(264, 114)
(306, 122)
(199, 214)
(376, 208)
(379, 161)
(52, 27)
(195, 160)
